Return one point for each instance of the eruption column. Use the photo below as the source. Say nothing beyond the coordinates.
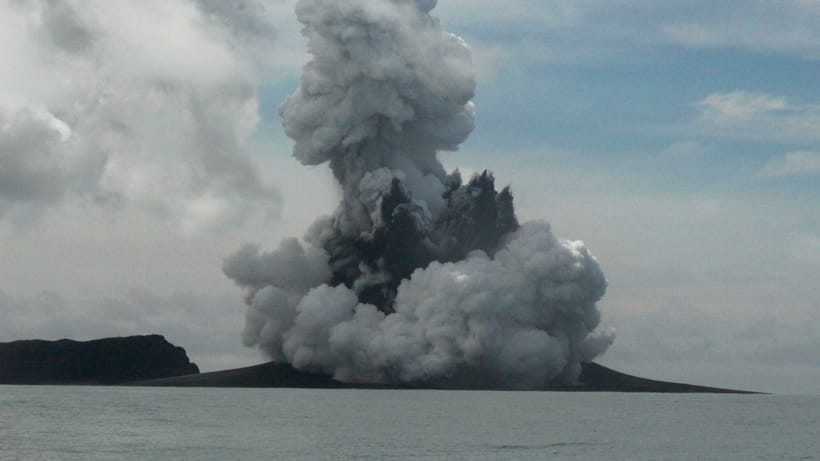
(417, 277)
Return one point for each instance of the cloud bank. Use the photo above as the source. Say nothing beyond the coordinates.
(148, 104)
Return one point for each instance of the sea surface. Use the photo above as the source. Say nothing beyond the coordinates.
(128, 423)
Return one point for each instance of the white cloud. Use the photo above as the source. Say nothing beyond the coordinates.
(686, 150)
(799, 163)
(545, 14)
(527, 33)
(762, 26)
(738, 106)
(760, 116)
(133, 104)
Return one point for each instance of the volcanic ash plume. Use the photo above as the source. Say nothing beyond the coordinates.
(418, 277)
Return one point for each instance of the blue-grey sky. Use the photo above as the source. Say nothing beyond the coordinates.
(141, 143)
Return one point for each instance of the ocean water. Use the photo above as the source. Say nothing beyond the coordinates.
(113, 423)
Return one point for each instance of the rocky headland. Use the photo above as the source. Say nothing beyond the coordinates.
(101, 361)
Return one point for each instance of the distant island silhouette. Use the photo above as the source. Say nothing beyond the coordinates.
(153, 361)
(101, 361)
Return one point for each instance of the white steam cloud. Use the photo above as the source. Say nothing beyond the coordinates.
(418, 277)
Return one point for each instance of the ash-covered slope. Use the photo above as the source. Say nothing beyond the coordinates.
(593, 378)
(101, 361)
(264, 375)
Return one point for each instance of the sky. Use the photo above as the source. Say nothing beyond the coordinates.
(140, 144)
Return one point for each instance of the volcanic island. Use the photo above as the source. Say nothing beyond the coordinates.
(153, 361)
(421, 278)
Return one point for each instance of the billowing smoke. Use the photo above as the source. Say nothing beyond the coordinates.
(419, 277)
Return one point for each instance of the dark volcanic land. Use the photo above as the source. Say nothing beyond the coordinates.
(153, 361)
(102, 361)
(594, 378)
